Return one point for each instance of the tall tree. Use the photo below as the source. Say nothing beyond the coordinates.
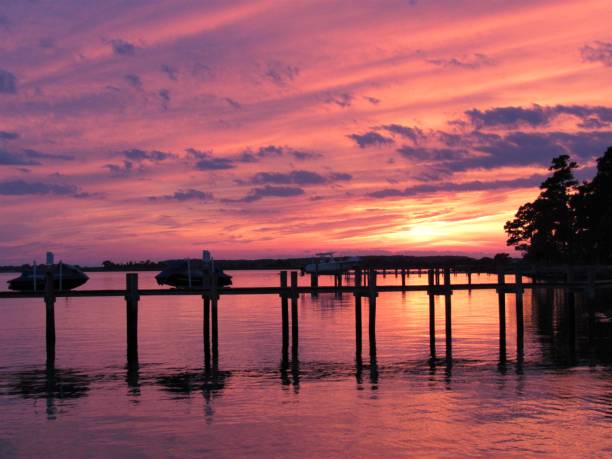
(545, 228)
(593, 208)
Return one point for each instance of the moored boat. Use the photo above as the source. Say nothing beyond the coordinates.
(191, 274)
(327, 264)
(65, 277)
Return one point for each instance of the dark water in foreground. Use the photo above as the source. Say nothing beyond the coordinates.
(557, 402)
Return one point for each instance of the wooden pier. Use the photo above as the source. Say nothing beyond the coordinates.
(365, 286)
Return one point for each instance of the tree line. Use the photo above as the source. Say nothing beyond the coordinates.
(570, 221)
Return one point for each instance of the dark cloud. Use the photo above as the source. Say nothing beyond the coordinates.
(432, 154)
(133, 80)
(142, 155)
(598, 51)
(8, 82)
(170, 72)
(275, 151)
(52, 156)
(205, 161)
(21, 188)
(340, 177)
(305, 155)
(122, 47)
(372, 100)
(270, 150)
(343, 100)
(257, 194)
(233, 103)
(537, 116)
(30, 158)
(5, 135)
(121, 170)
(281, 73)
(415, 134)
(517, 148)
(299, 177)
(12, 159)
(369, 139)
(531, 181)
(475, 61)
(164, 95)
(189, 194)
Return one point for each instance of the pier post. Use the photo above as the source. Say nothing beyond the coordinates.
(501, 293)
(294, 316)
(131, 302)
(519, 314)
(432, 314)
(448, 315)
(214, 316)
(314, 280)
(285, 317)
(50, 316)
(469, 277)
(372, 292)
(403, 279)
(206, 304)
(358, 322)
(437, 272)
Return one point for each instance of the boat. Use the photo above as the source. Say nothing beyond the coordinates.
(191, 274)
(65, 277)
(327, 264)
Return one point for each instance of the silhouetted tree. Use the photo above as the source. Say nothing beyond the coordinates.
(545, 228)
(593, 209)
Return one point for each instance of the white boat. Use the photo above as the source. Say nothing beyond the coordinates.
(327, 264)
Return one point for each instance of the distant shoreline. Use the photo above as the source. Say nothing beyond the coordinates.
(371, 261)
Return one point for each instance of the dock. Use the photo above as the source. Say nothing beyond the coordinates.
(365, 286)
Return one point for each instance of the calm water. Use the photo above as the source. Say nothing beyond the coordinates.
(558, 401)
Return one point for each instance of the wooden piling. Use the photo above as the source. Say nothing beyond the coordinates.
(469, 277)
(501, 293)
(519, 314)
(448, 315)
(284, 316)
(358, 322)
(214, 316)
(206, 305)
(403, 278)
(432, 314)
(50, 316)
(372, 293)
(294, 316)
(131, 301)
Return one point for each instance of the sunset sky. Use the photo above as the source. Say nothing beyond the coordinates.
(155, 129)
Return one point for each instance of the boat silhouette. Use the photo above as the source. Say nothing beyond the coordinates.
(191, 274)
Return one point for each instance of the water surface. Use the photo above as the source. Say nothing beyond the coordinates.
(555, 400)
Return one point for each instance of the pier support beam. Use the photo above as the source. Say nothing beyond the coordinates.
(214, 318)
(501, 294)
(50, 317)
(131, 302)
(519, 316)
(432, 314)
(358, 321)
(448, 316)
(403, 279)
(372, 293)
(206, 306)
(294, 317)
(284, 318)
